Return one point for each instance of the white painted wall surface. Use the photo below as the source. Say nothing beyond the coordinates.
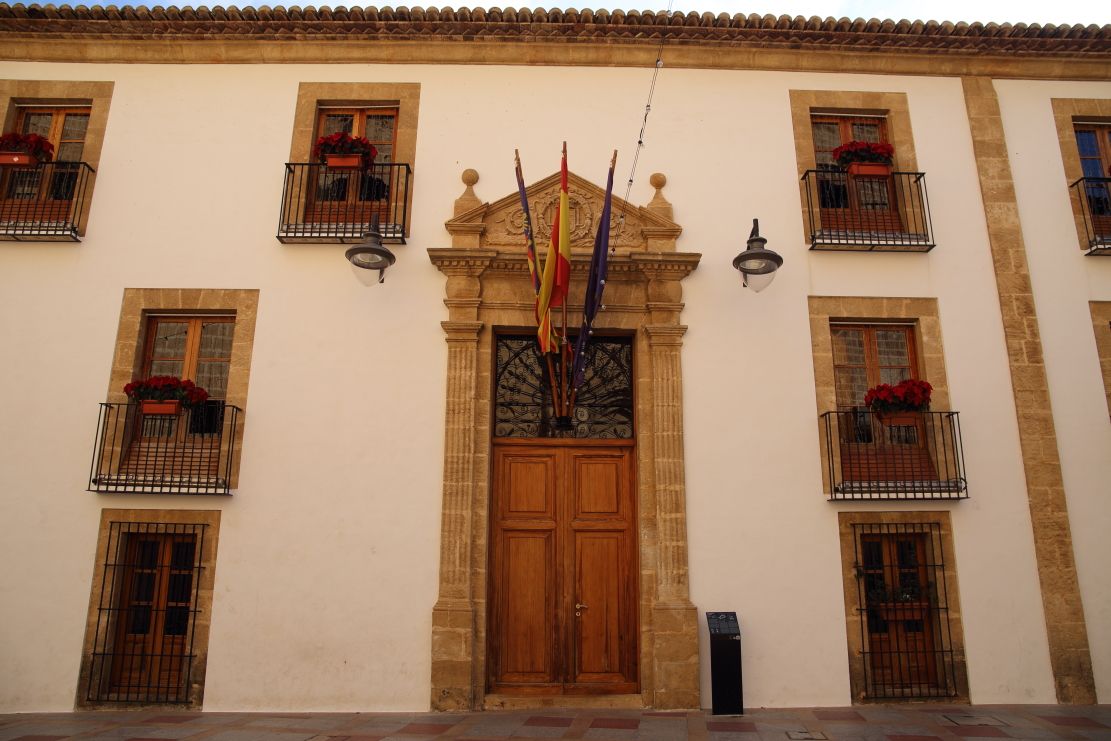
(1064, 281)
(328, 559)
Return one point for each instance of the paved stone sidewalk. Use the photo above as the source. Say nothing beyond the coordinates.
(862, 723)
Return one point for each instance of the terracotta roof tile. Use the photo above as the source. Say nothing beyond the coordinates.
(517, 25)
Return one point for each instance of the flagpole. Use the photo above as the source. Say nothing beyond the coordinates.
(563, 340)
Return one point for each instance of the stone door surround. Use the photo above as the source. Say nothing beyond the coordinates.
(488, 288)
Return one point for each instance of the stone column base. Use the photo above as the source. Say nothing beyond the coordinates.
(675, 656)
(453, 631)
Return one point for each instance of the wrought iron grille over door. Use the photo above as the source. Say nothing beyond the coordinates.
(146, 614)
(902, 597)
(523, 395)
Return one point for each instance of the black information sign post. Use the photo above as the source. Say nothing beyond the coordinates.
(725, 663)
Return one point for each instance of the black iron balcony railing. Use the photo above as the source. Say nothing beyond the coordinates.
(912, 455)
(325, 204)
(1095, 213)
(888, 213)
(187, 453)
(43, 202)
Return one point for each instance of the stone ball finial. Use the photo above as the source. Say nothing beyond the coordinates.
(470, 177)
(658, 180)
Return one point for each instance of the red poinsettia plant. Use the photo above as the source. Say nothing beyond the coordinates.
(911, 395)
(37, 146)
(343, 143)
(855, 151)
(166, 388)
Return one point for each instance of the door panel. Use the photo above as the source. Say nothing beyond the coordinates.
(599, 610)
(563, 594)
(529, 617)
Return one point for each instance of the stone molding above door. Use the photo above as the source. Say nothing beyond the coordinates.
(487, 288)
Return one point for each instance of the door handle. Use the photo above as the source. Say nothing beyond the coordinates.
(578, 609)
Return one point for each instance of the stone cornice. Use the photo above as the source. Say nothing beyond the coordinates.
(623, 265)
(507, 36)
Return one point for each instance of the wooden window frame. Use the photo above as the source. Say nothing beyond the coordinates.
(872, 365)
(1102, 133)
(192, 343)
(59, 112)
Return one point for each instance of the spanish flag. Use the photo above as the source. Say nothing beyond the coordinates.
(557, 267)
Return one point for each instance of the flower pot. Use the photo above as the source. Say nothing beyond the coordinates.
(869, 169)
(18, 159)
(344, 161)
(158, 406)
(898, 419)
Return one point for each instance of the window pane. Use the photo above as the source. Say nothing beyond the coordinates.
(379, 128)
(334, 122)
(69, 152)
(1092, 168)
(385, 153)
(1087, 144)
(37, 123)
(179, 588)
(140, 619)
(74, 126)
(893, 376)
(212, 376)
(892, 347)
(848, 347)
(852, 384)
(169, 340)
(177, 621)
(142, 587)
(826, 136)
(182, 557)
(866, 132)
(873, 194)
(147, 554)
(216, 339)
(166, 368)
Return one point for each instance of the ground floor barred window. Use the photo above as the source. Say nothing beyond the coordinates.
(146, 640)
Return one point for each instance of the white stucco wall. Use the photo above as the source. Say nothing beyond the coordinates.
(1064, 281)
(328, 558)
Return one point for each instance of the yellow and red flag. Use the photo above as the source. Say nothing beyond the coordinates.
(557, 267)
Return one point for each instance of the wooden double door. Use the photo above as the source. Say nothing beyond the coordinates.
(563, 576)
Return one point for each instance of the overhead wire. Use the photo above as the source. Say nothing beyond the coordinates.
(640, 137)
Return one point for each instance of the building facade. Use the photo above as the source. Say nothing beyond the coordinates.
(374, 511)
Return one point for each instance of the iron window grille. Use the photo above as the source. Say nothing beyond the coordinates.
(523, 395)
(1095, 213)
(146, 615)
(43, 202)
(325, 204)
(903, 603)
(867, 213)
(869, 457)
(188, 453)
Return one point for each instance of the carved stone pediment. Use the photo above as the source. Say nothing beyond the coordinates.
(500, 224)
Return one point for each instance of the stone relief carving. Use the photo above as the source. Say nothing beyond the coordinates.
(502, 222)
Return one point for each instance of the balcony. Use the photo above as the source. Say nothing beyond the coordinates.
(917, 457)
(321, 204)
(1095, 213)
(43, 202)
(850, 213)
(187, 453)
